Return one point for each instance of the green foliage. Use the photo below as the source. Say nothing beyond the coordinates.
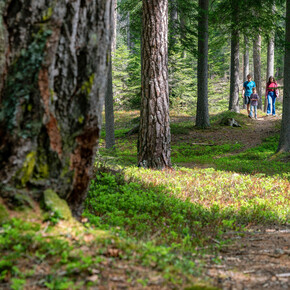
(126, 78)
(112, 202)
(20, 240)
(182, 81)
(257, 160)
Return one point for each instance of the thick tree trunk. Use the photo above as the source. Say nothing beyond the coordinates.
(202, 114)
(234, 82)
(284, 143)
(270, 65)
(154, 133)
(53, 94)
(257, 67)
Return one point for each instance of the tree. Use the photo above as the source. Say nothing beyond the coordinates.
(257, 66)
(109, 98)
(52, 97)
(270, 60)
(235, 61)
(154, 133)
(246, 67)
(284, 143)
(202, 114)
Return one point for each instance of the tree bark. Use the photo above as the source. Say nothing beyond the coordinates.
(109, 98)
(2, 44)
(109, 110)
(114, 30)
(154, 133)
(257, 67)
(53, 94)
(284, 143)
(270, 65)
(246, 67)
(234, 83)
(202, 114)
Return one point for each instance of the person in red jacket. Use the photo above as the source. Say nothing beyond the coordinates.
(271, 94)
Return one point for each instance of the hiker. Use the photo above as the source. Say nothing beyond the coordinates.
(247, 91)
(254, 98)
(271, 94)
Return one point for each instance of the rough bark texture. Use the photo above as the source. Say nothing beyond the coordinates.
(246, 67)
(2, 43)
(270, 65)
(109, 111)
(202, 114)
(53, 93)
(257, 43)
(234, 83)
(154, 133)
(284, 143)
(115, 19)
(109, 99)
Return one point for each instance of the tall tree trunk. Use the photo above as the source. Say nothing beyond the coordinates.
(202, 115)
(114, 30)
(109, 98)
(52, 97)
(257, 67)
(270, 65)
(109, 110)
(154, 133)
(284, 143)
(2, 44)
(234, 82)
(183, 31)
(130, 42)
(246, 67)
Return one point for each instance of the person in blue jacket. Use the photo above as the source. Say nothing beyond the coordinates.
(247, 91)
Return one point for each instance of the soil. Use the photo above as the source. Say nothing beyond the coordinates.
(260, 257)
(256, 131)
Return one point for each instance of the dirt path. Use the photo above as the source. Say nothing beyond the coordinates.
(256, 131)
(258, 260)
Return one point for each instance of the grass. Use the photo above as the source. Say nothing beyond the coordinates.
(155, 225)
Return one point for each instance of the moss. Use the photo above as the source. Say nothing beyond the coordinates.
(4, 215)
(54, 203)
(43, 170)
(29, 107)
(81, 119)
(25, 173)
(87, 86)
(21, 85)
(47, 14)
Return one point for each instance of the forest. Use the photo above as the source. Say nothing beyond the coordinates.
(145, 144)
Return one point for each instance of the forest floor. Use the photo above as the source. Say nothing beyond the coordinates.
(260, 258)
(217, 240)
